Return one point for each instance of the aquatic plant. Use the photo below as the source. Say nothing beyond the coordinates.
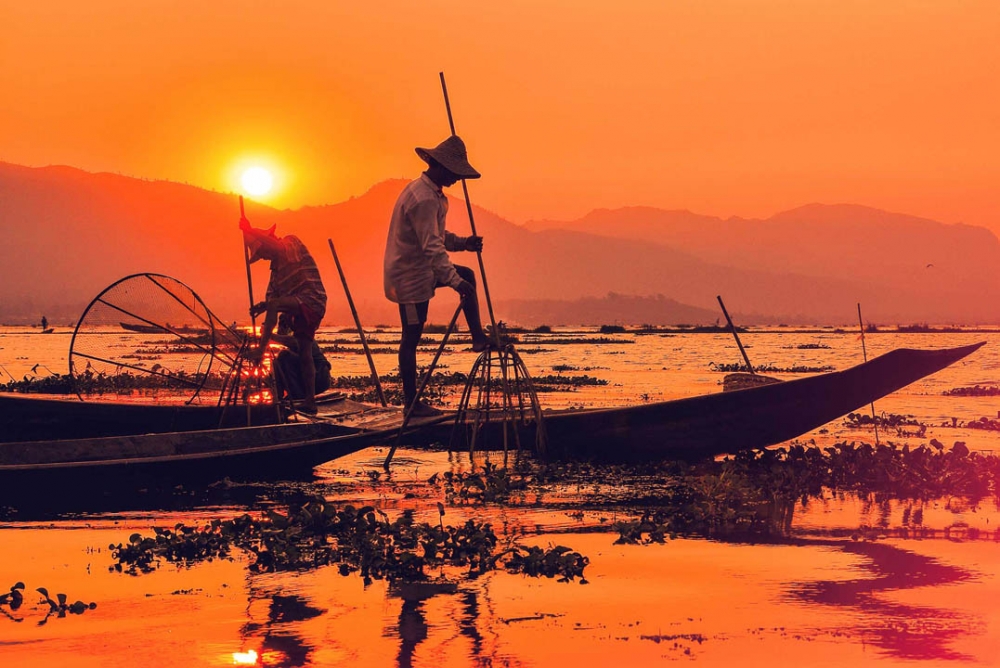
(887, 421)
(317, 533)
(752, 493)
(492, 484)
(59, 606)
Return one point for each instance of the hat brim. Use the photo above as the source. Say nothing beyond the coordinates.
(254, 246)
(255, 241)
(456, 166)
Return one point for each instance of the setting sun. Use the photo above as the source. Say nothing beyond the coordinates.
(257, 181)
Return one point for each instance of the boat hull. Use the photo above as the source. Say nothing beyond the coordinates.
(26, 417)
(726, 422)
(691, 428)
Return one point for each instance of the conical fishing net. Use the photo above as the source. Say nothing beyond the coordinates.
(149, 335)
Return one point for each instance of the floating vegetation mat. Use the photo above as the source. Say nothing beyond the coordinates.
(900, 422)
(362, 540)
(90, 383)
(976, 391)
(752, 494)
(443, 384)
(769, 368)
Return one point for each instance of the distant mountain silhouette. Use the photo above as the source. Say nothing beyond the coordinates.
(938, 271)
(70, 233)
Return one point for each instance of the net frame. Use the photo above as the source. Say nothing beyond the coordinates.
(222, 348)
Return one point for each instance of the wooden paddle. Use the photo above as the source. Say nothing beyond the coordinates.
(864, 352)
(357, 321)
(732, 328)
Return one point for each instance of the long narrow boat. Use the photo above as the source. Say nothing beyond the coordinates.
(28, 417)
(72, 469)
(694, 427)
(165, 329)
(726, 422)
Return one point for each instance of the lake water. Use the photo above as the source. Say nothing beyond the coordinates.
(815, 597)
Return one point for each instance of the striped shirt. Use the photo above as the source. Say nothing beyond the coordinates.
(294, 274)
(416, 251)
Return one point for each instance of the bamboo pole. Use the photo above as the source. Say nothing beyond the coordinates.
(253, 318)
(864, 352)
(246, 258)
(357, 321)
(732, 328)
(472, 221)
(482, 267)
(253, 326)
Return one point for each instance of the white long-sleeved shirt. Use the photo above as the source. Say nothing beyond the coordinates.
(416, 251)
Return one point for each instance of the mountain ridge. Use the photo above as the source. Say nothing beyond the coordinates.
(75, 232)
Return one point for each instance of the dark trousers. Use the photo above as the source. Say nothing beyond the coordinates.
(413, 317)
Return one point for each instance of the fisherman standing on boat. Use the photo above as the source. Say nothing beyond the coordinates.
(295, 288)
(416, 257)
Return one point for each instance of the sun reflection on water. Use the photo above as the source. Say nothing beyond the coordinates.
(247, 658)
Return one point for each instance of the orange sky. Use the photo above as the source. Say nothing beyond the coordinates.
(726, 107)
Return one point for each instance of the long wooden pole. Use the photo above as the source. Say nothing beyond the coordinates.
(246, 257)
(482, 271)
(357, 321)
(472, 222)
(253, 318)
(864, 352)
(732, 328)
(253, 322)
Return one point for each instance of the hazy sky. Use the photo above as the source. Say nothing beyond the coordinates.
(726, 107)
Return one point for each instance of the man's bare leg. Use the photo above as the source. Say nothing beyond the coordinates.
(308, 370)
(470, 308)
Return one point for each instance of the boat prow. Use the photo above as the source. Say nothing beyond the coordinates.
(728, 422)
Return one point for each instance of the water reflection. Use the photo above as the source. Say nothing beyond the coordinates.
(911, 632)
(277, 636)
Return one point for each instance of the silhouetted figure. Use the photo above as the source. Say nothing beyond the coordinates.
(45, 323)
(416, 257)
(295, 288)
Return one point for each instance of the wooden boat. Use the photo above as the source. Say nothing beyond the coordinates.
(726, 422)
(694, 427)
(81, 467)
(26, 417)
(166, 329)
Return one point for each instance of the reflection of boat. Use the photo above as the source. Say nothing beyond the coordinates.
(167, 328)
(694, 427)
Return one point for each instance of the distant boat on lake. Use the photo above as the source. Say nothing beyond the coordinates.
(165, 329)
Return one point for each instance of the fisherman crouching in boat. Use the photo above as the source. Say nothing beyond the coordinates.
(295, 288)
(416, 257)
(288, 363)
